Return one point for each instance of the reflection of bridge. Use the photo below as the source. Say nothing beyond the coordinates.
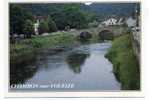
(115, 30)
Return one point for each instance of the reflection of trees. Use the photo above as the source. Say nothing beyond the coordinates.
(75, 60)
(84, 41)
(19, 74)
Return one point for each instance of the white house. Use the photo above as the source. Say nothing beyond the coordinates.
(120, 21)
(111, 21)
(36, 25)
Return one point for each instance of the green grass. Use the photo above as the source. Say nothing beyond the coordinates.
(64, 39)
(25, 51)
(125, 63)
(21, 54)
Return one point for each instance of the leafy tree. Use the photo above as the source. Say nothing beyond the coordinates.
(68, 15)
(75, 17)
(51, 24)
(59, 17)
(28, 28)
(43, 27)
(18, 17)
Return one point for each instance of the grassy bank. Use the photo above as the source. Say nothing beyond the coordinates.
(125, 64)
(25, 51)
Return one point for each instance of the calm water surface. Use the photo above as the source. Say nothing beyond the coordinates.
(82, 68)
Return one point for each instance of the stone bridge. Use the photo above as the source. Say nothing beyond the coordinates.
(114, 30)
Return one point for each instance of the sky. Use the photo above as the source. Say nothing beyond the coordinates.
(88, 3)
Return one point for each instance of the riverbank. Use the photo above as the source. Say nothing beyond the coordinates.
(125, 63)
(25, 51)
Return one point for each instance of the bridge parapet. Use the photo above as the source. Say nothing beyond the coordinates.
(116, 30)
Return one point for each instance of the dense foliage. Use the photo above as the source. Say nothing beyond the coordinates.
(43, 27)
(28, 28)
(51, 24)
(100, 10)
(62, 15)
(18, 18)
(68, 15)
(74, 15)
(126, 66)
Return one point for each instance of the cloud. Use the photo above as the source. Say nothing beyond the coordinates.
(88, 3)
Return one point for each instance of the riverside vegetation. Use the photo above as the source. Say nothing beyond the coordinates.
(125, 63)
(121, 54)
(26, 50)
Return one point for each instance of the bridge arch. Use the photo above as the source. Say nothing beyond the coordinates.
(85, 35)
(106, 34)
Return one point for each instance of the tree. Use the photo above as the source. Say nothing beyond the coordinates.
(58, 16)
(68, 15)
(43, 27)
(51, 25)
(18, 17)
(75, 17)
(28, 28)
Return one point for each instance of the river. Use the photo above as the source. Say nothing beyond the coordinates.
(83, 68)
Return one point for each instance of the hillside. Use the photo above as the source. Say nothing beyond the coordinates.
(104, 9)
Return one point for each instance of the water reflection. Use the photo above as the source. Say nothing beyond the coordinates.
(19, 74)
(76, 60)
(84, 41)
(77, 66)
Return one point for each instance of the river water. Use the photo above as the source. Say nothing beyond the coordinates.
(83, 68)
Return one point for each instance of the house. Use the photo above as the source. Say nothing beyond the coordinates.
(36, 25)
(120, 21)
(111, 21)
(38, 20)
